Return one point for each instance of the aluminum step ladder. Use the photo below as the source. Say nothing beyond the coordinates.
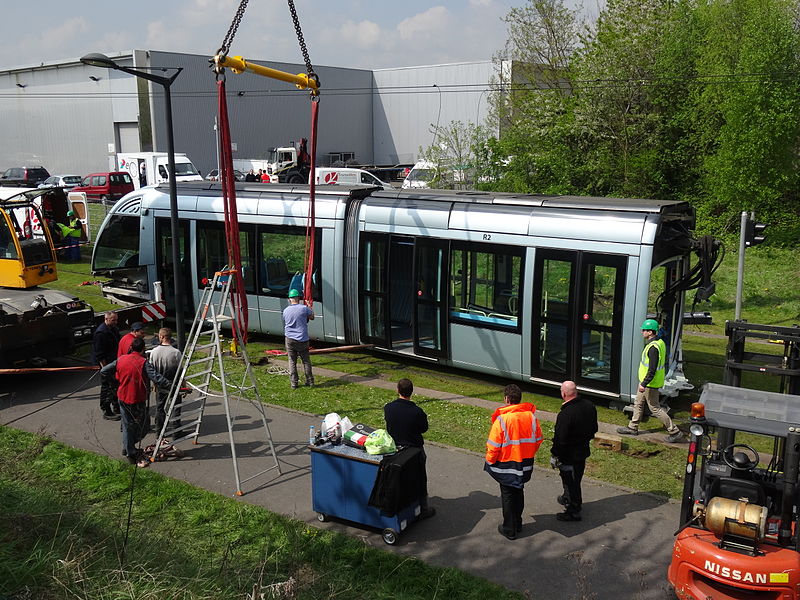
(203, 372)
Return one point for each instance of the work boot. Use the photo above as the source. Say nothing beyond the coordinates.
(427, 512)
(110, 416)
(510, 536)
(675, 438)
(627, 431)
(568, 516)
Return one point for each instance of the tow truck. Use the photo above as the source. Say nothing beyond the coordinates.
(36, 323)
(739, 511)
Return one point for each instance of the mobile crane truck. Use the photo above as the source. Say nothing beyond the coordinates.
(36, 323)
(739, 512)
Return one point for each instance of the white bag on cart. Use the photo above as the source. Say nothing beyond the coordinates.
(332, 428)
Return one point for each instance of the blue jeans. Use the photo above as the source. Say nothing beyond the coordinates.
(134, 427)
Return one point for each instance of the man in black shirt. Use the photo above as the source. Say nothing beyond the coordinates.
(406, 422)
(576, 425)
(104, 351)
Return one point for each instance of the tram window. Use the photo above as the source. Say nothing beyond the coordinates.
(484, 286)
(556, 279)
(600, 305)
(118, 246)
(600, 294)
(282, 267)
(212, 252)
(556, 276)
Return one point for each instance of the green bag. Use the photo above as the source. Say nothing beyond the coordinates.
(380, 442)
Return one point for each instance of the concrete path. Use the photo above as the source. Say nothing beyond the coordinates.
(620, 550)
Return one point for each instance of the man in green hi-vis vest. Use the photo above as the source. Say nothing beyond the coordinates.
(652, 369)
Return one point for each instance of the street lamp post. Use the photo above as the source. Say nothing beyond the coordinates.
(101, 60)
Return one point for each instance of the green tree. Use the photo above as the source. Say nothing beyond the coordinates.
(748, 113)
(454, 154)
(621, 142)
(685, 99)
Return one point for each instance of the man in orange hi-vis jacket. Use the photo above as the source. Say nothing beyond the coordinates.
(513, 441)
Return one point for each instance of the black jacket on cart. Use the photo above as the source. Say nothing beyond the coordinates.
(400, 481)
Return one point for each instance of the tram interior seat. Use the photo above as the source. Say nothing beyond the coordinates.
(275, 275)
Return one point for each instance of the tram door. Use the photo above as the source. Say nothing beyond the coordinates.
(164, 270)
(430, 269)
(402, 283)
(577, 316)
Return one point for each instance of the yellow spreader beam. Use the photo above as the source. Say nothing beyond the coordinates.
(239, 65)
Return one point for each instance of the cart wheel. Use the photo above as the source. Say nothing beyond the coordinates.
(390, 536)
(322, 517)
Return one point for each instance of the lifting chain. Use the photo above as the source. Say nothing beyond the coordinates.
(237, 19)
(302, 42)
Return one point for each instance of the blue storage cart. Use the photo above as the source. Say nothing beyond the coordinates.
(341, 482)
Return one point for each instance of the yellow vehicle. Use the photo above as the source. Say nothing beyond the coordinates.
(36, 323)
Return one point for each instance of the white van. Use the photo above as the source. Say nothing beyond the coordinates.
(151, 168)
(344, 176)
(420, 175)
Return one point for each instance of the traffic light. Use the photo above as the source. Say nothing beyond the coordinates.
(754, 233)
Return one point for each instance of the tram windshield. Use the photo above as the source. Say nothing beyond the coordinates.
(118, 244)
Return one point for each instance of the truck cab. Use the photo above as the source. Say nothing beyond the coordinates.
(739, 511)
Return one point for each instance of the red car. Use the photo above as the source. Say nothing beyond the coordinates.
(106, 187)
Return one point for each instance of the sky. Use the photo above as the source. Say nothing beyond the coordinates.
(368, 34)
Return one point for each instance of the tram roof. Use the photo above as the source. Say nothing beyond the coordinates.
(248, 190)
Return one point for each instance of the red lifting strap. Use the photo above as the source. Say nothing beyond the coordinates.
(310, 224)
(238, 293)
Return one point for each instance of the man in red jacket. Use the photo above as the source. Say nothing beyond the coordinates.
(134, 374)
(137, 331)
(513, 441)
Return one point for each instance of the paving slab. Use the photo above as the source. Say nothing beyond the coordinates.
(620, 550)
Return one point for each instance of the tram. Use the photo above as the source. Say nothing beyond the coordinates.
(532, 288)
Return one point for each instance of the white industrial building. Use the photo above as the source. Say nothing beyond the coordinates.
(73, 118)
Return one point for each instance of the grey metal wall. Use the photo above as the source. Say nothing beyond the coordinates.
(69, 123)
(409, 100)
(61, 119)
(263, 112)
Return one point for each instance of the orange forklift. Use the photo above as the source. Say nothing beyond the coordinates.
(739, 513)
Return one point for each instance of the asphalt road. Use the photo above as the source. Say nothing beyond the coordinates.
(620, 550)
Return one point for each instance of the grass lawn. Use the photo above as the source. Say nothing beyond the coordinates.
(63, 534)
